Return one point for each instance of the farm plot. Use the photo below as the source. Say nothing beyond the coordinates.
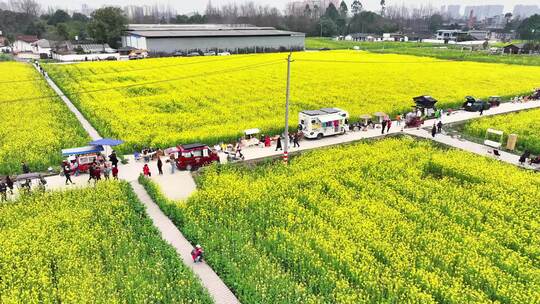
(163, 102)
(396, 221)
(92, 245)
(33, 129)
(524, 124)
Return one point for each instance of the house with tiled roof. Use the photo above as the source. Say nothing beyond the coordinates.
(23, 43)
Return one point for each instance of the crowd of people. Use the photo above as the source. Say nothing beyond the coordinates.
(100, 166)
(7, 183)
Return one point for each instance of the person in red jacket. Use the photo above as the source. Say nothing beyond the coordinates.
(146, 171)
(197, 254)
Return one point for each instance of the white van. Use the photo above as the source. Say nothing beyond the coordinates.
(323, 122)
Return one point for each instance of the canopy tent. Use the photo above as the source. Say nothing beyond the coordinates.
(330, 117)
(106, 142)
(82, 150)
(365, 116)
(252, 131)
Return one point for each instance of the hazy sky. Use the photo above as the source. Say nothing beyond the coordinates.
(186, 6)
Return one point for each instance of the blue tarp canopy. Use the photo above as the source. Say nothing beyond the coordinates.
(82, 150)
(106, 142)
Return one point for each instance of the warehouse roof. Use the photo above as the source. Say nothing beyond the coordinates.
(211, 33)
(203, 30)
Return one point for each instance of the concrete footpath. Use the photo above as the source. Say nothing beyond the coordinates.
(220, 293)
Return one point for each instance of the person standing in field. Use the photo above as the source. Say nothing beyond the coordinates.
(25, 168)
(434, 130)
(67, 174)
(160, 166)
(278, 143)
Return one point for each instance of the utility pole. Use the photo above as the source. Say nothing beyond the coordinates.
(286, 135)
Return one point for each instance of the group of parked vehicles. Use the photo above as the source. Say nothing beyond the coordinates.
(200, 53)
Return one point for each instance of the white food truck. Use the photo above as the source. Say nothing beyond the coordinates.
(323, 122)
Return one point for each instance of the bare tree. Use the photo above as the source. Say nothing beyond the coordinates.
(29, 7)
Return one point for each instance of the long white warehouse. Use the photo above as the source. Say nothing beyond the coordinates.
(186, 38)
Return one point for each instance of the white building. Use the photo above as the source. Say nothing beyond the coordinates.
(42, 47)
(482, 12)
(23, 43)
(168, 39)
(525, 11)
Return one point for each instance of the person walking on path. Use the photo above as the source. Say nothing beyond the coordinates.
(146, 171)
(439, 127)
(114, 159)
(3, 191)
(107, 170)
(115, 173)
(9, 184)
(160, 166)
(389, 124)
(197, 254)
(384, 122)
(278, 143)
(91, 171)
(25, 168)
(482, 111)
(434, 130)
(172, 162)
(67, 174)
(97, 173)
(296, 139)
(267, 141)
(398, 120)
(524, 157)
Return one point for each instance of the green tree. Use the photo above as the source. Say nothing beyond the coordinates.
(107, 25)
(332, 12)
(529, 29)
(79, 17)
(435, 22)
(356, 7)
(343, 9)
(327, 27)
(383, 7)
(62, 31)
(59, 16)
(37, 28)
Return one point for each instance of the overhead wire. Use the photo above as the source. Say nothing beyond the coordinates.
(218, 72)
(228, 58)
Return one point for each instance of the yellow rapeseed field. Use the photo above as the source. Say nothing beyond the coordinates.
(395, 221)
(32, 130)
(168, 101)
(92, 245)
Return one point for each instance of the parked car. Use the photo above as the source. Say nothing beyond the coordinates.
(475, 105)
(211, 53)
(224, 54)
(193, 54)
(111, 58)
(193, 156)
(179, 54)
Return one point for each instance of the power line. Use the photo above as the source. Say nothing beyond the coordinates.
(374, 62)
(139, 69)
(224, 71)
